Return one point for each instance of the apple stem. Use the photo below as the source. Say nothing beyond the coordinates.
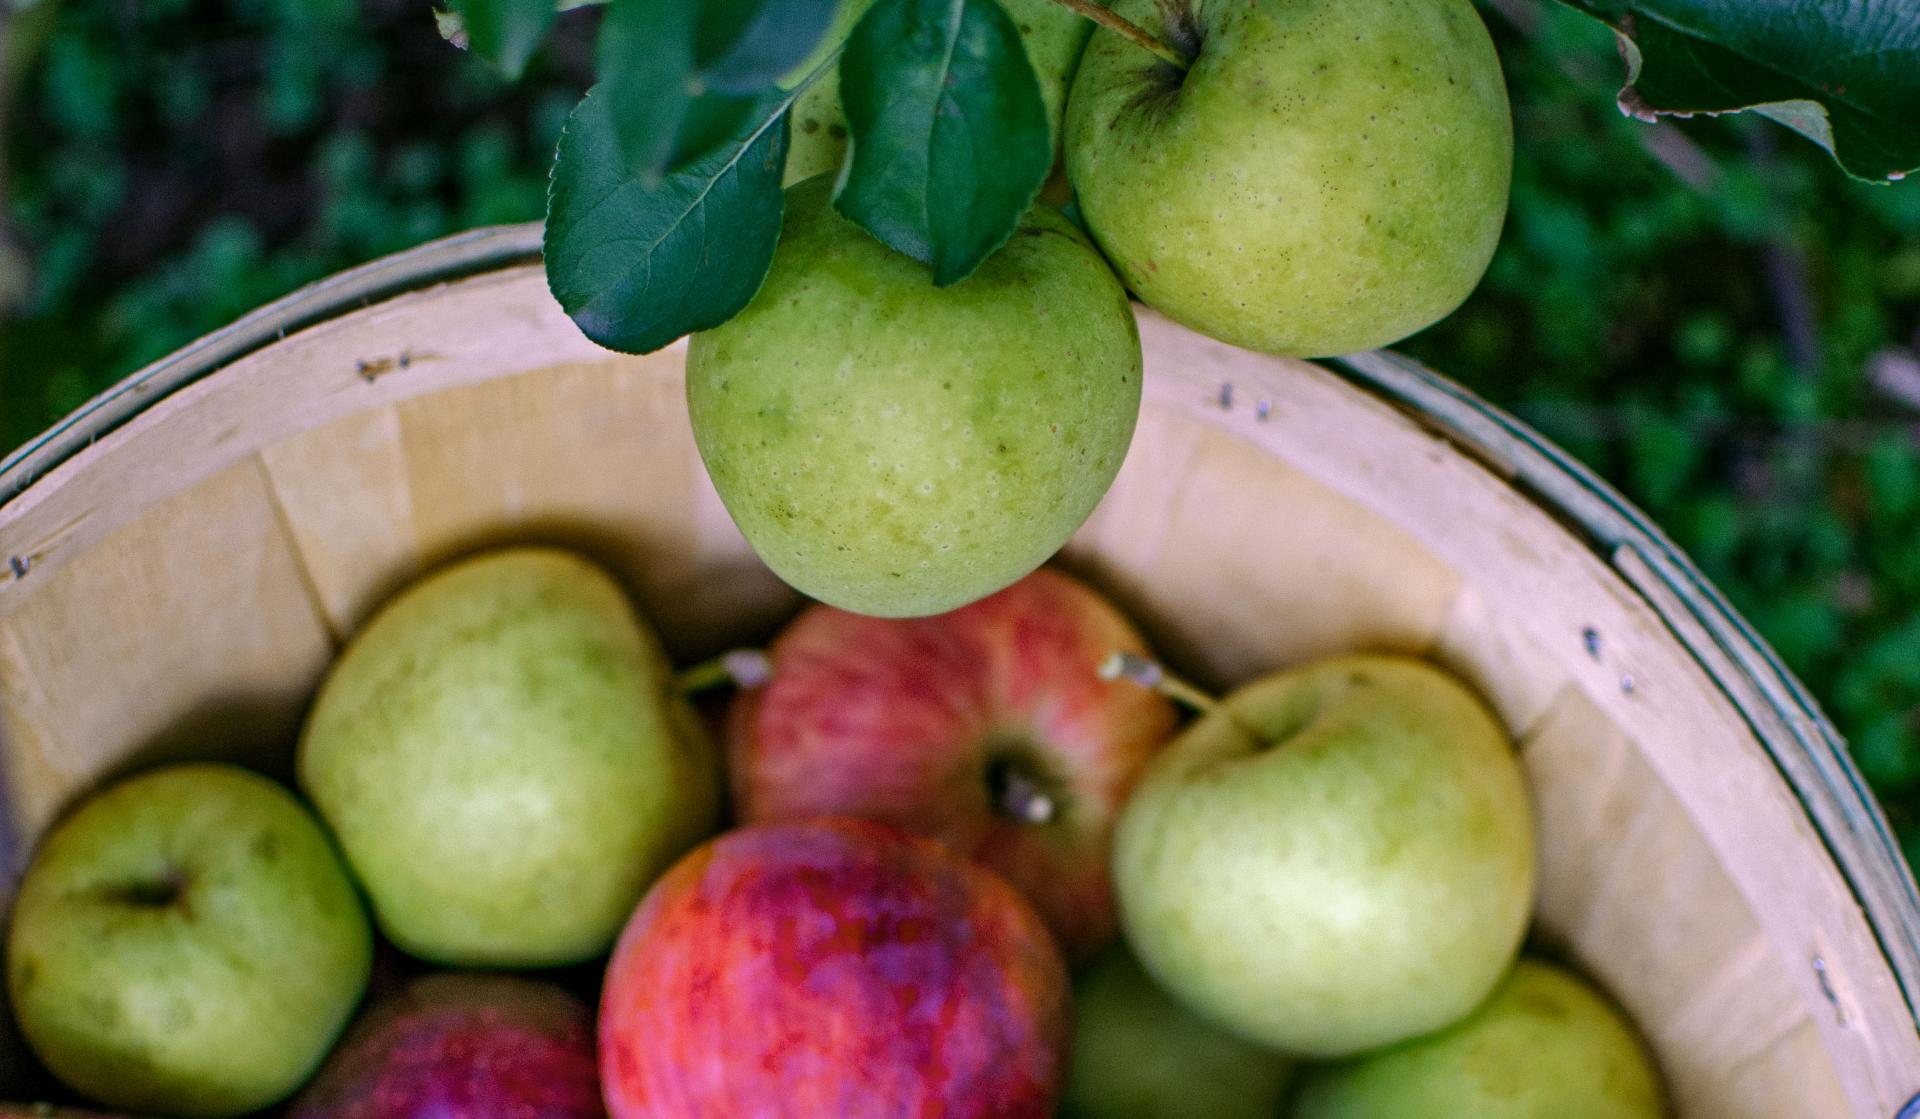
(743, 668)
(1121, 25)
(1025, 801)
(1150, 673)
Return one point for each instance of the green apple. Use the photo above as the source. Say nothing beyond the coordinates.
(1139, 1054)
(1328, 176)
(1545, 1046)
(1053, 36)
(506, 762)
(187, 943)
(894, 448)
(1336, 858)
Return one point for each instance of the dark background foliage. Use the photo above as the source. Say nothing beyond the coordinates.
(1708, 312)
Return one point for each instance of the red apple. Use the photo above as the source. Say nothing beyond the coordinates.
(834, 967)
(473, 1046)
(987, 728)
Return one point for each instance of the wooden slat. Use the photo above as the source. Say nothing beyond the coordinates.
(598, 458)
(1630, 890)
(343, 489)
(1484, 646)
(187, 633)
(1247, 565)
(1865, 1004)
(476, 330)
(1552, 589)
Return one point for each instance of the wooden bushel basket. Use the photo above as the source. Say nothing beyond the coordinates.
(180, 559)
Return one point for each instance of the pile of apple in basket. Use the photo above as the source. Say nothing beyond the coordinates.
(989, 863)
(968, 854)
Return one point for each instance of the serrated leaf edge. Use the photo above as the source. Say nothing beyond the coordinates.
(780, 111)
(547, 231)
(1636, 106)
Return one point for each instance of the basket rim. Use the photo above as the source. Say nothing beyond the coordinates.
(1806, 749)
(1802, 743)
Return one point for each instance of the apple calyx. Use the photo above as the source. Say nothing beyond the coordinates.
(1019, 794)
(160, 891)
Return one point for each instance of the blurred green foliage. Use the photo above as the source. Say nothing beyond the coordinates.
(1696, 310)
(176, 163)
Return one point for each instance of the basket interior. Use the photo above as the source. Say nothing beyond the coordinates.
(180, 587)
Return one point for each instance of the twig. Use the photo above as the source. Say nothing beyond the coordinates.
(1120, 25)
(1149, 674)
(1680, 155)
(1786, 266)
(1895, 371)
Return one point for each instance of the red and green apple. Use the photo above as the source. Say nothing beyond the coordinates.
(988, 728)
(834, 967)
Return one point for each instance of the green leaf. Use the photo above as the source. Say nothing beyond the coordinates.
(645, 57)
(950, 138)
(682, 76)
(505, 32)
(638, 263)
(710, 122)
(746, 45)
(1844, 75)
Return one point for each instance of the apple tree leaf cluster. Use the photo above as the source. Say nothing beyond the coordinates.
(636, 262)
(1846, 76)
(684, 80)
(666, 193)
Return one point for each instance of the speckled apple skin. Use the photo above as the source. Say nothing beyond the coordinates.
(900, 720)
(898, 449)
(1338, 858)
(1329, 176)
(505, 762)
(835, 967)
(473, 1046)
(217, 1003)
(1544, 1046)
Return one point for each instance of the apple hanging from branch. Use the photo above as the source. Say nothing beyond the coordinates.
(1319, 177)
